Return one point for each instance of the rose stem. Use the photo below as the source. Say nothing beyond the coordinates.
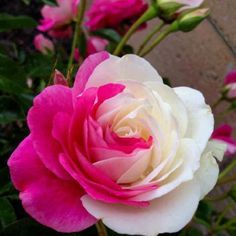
(227, 180)
(150, 13)
(101, 229)
(77, 32)
(227, 170)
(150, 36)
(162, 36)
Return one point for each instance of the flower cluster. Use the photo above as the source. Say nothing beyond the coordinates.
(57, 21)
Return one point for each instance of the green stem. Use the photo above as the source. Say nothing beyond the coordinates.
(101, 229)
(217, 103)
(150, 36)
(217, 198)
(77, 32)
(150, 13)
(229, 168)
(172, 28)
(226, 225)
(224, 212)
(227, 180)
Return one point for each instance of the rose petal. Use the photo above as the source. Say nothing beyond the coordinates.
(164, 215)
(126, 68)
(51, 201)
(47, 104)
(201, 121)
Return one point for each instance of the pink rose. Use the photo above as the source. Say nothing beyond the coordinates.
(230, 84)
(119, 146)
(224, 134)
(94, 44)
(43, 44)
(57, 19)
(114, 13)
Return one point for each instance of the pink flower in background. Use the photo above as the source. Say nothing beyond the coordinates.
(224, 134)
(43, 44)
(56, 19)
(120, 146)
(114, 13)
(230, 84)
(94, 44)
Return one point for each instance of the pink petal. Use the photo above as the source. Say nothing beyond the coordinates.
(59, 78)
(51, 201)
(230, 78)
(86, 70)
(47, 104)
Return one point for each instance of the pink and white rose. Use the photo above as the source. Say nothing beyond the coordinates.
(119, 146)
(57, 19)
(223, 134)
(43, 44)
(114, 13)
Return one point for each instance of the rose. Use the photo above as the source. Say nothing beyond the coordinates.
(114, 14)
(94, 44)
(57, 19)
(230, 84)
(43, 44)
(119, 146)
(223, 134)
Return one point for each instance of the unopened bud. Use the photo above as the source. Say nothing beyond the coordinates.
(192, 19)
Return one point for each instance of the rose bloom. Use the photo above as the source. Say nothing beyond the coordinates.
(116, 14)
(43, 44)
(57, 19)
(223, 134)
(119, 146)
(230, 84)
(94, 44)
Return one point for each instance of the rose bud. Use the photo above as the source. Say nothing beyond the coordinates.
(170, 9)
(192, 19)
(230, 85)
(223, 134)
(59, 78)
(43, 44)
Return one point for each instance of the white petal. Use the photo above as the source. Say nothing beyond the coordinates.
(201, 122)
(128, 67)
(169, 96)
(217, 148)
(189, 153)
(207, 174)
(164, 215)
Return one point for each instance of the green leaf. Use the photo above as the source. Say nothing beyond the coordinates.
(232, 193)
(108, 34)
(204, 213)
(50, 2)
(9, 86)
(28, 227)
(10, 110)
(11, 69)
(190, 231)
(10, 22)
(26, 2)
(7, 213)
(5, 183)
